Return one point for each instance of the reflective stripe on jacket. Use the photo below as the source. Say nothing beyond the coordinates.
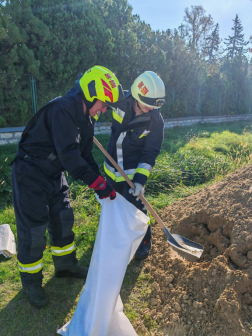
(135, 141)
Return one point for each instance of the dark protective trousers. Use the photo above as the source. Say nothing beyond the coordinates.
(123, 189)
(41, 203)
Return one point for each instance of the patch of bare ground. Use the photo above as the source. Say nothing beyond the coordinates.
(212, 296)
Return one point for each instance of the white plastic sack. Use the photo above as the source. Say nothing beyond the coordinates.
(100, 310)
(7, 241)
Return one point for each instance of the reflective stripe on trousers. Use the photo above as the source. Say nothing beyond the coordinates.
(31, 268)
(60, 251)
(38, 265)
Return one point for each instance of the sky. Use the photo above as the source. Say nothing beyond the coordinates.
(164, 14)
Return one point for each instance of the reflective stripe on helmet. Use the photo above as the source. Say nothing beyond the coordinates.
(31, 268)
(107, 91)
(60, 251)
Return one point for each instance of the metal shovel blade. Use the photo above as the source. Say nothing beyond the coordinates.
(184, 245)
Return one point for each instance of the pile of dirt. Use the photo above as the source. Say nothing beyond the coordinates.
(214, 295)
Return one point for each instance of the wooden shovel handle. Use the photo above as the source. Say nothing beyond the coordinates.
(131, 184)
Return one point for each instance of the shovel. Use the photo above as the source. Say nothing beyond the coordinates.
(188, 249)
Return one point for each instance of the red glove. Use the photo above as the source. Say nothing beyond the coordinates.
(103, 189)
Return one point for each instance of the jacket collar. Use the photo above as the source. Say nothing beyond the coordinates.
(77, 94)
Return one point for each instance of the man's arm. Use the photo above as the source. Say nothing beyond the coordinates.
(90, 159)
(65, 135)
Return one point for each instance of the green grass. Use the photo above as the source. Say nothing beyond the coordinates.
(191, 158)
(7, 154)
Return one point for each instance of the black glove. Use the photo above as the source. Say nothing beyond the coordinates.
(103, 189)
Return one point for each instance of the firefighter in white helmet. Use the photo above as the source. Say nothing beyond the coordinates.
(136, 140)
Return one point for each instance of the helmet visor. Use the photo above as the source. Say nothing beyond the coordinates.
(155, 102)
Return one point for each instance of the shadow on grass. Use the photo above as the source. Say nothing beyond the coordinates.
(2, 259)
(131, 277)
(19, 318)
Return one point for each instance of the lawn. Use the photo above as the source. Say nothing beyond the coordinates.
(191, 158)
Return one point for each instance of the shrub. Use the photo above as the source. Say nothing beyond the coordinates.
(3, 122)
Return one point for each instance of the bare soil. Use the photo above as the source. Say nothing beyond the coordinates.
(212, 296)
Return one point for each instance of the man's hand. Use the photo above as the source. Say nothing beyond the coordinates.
(103, 189)
(139, 189)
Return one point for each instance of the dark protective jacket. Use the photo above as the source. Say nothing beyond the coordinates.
(135, 141)
(60, 137)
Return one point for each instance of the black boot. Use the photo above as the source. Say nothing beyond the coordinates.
(75, 271)
(36, 295)
(145, 246)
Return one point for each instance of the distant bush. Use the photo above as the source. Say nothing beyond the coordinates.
(3, 122)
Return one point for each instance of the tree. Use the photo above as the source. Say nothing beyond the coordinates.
(182, 31)
(198, 26)
(54, 41)
(212, 43)
(122, 24)
(24, 34)
(236, 72)
(4, 23)
(235, 43)
(78, 40)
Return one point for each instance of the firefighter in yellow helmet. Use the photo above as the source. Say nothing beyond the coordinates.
(59, 137)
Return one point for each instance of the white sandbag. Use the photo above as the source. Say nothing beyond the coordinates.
(7, 241)
(100, 310)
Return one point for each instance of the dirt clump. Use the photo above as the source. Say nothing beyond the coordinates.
(212, 296)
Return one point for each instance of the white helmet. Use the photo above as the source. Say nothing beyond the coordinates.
(149, 89)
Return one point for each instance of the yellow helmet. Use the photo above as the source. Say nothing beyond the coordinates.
(100, 83)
